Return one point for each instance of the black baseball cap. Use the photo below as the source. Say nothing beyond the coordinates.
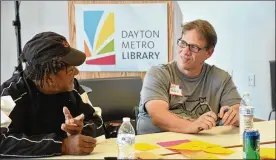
(48, 45)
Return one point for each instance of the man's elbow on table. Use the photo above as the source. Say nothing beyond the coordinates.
(157, 109)
(167, 121)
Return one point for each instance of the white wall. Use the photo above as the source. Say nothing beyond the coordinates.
(178, 20)
(246, 42)
(246, 37)
(35, 17)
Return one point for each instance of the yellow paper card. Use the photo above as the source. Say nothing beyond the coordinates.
(204, 156)
(194, 145)
(197, 155)
(204, 144)
(148, 155)
(186, 146)
(144, 146)
(189, 153)
(267, 153)
(218, 150)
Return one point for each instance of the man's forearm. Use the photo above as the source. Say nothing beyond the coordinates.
(20, 145)
(170, 122)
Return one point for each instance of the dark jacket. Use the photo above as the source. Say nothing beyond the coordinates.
(35, 130)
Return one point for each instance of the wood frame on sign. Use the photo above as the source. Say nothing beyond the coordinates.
(72, 36)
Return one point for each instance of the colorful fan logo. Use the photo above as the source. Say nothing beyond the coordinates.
(99, 44)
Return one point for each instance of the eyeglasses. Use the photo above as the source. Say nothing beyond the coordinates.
(193, 48)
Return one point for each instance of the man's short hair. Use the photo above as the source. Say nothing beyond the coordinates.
(205, 29)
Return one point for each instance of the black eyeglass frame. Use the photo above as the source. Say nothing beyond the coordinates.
(190, 46)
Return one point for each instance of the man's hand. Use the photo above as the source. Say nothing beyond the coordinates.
(204, 122)
(72, 125)
(231, 117)
(78, 145)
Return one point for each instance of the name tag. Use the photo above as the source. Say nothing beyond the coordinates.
(175, 90)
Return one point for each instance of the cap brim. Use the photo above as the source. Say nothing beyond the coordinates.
(74, 58)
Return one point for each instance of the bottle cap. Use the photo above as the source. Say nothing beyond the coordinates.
(126, 119)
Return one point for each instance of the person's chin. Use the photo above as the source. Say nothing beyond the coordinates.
(186, 65)
(71, 88)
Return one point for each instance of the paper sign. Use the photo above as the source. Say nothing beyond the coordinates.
(186, 146)
(267, 153)
(203, 144)
(148, 155)
(122, 37)
(172, 143)
(144, 146)
(197, 155)
(194, 145)
(218, 150)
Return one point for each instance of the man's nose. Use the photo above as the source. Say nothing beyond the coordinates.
(185, 51)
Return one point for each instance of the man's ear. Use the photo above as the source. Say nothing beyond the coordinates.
(209, 53)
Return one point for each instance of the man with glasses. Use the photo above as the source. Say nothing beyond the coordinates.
(188, 95)
(50, 116)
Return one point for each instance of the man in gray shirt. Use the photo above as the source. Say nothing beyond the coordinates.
(188, 95)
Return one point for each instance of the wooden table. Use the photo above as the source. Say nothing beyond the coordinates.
(238, 154)
(226, 136)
